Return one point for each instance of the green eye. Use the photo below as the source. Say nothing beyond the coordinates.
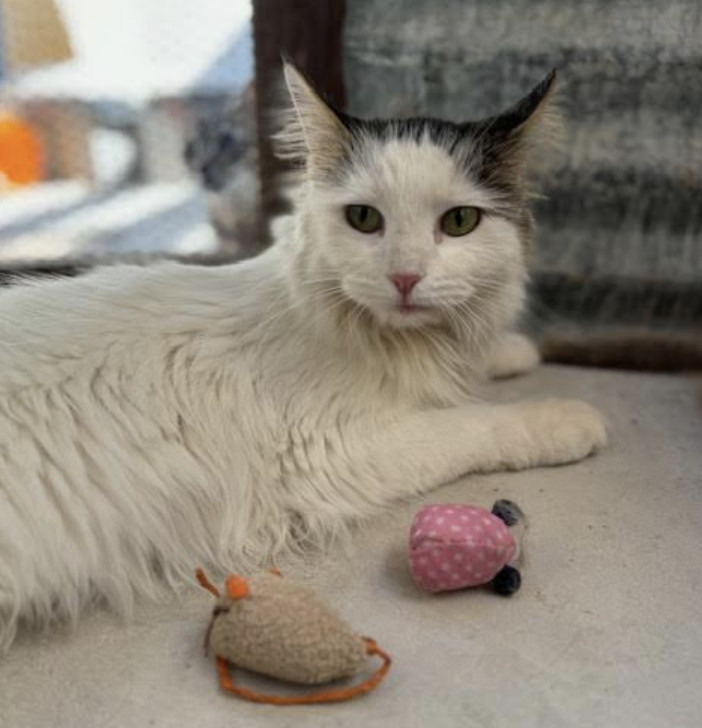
(460, 221)
(364, 218)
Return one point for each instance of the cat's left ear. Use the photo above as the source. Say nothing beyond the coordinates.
(508, 138)
(315, 131)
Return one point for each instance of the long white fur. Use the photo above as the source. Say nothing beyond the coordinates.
(157, 419)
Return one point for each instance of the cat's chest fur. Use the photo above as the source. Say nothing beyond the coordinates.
(286, 372)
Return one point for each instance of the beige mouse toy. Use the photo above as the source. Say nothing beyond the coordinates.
(274, 627)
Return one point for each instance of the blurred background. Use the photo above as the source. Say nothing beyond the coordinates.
(97, 101)
(139, 128)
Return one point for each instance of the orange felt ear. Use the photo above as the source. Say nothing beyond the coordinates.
(237, 588)
(205, 582)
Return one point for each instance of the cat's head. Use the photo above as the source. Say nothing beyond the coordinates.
(418, 221)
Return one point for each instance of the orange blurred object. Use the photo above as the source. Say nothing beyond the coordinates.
(21, 151)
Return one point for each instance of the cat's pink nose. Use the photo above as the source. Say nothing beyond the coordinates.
(405, 282)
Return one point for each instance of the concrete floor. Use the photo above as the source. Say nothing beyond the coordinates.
(606, 632)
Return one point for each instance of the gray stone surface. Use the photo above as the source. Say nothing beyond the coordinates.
(605, 633)
(623, 196)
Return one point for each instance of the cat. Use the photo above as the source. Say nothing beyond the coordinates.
(221, 153)
(153, 419)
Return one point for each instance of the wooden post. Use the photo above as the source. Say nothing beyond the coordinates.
(309, 33)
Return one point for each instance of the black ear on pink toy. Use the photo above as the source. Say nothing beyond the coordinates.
(507, 581)
(507, 511)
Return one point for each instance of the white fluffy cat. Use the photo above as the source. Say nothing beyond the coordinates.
(157, 419)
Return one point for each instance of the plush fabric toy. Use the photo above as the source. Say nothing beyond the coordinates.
(269, 625)
(457, 546)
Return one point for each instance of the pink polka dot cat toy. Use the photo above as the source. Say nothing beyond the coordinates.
(455, 546)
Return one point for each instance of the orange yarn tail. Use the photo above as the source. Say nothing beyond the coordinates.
(327, 696)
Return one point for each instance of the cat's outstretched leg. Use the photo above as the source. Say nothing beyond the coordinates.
(423, 450)
(513, 354)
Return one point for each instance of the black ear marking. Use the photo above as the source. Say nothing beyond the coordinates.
(523, 110)
(506, 143)
(507, 581)
(507, 511)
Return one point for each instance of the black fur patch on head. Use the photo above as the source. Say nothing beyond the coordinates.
(443, 133)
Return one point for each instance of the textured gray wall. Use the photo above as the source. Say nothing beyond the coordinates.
(625, 194)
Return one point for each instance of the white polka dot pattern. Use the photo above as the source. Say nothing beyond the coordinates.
(456, 546)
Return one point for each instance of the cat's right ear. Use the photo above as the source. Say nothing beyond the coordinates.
(314, 131)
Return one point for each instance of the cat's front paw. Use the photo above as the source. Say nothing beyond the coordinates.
(565, 430)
